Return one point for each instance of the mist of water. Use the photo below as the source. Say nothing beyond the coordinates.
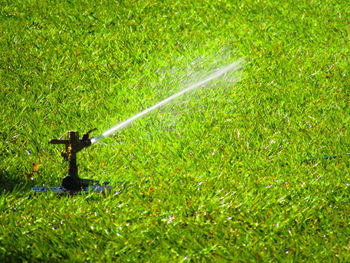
(217, 74)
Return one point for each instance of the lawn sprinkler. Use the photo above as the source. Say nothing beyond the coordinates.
(72, 183)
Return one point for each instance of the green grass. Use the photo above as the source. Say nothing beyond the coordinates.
(195, 192)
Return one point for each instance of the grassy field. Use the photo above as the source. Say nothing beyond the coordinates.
(216, 176)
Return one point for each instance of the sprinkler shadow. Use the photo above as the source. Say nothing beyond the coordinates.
(9, 182)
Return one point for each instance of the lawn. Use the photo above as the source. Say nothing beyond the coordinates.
(216, 176)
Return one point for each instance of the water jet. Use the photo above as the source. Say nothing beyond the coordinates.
(72, 183)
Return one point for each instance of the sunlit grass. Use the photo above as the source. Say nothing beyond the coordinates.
(216, 176)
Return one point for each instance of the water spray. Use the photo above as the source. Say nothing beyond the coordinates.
(72, 183)
(234, 66)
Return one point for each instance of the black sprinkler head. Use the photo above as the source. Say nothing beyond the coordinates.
(73, 183)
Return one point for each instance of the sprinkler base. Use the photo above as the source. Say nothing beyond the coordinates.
(87, 188)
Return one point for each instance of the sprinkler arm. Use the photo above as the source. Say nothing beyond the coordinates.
(73, 144)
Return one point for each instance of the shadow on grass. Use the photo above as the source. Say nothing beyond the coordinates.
(10, 182)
